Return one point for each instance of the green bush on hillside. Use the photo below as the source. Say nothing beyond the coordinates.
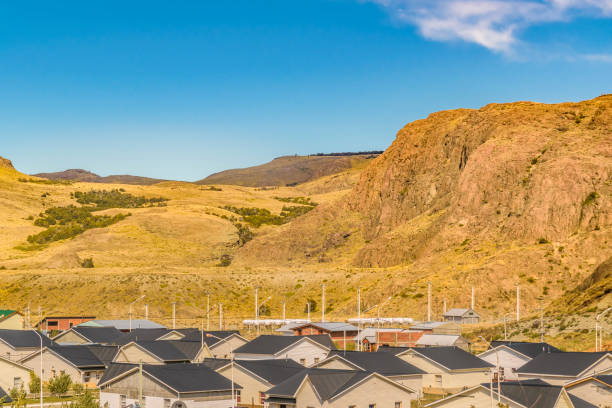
(297, 200)
(259, 216)
(115, 199)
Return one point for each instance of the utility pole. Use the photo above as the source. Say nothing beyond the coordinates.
(472, 298)
(207, 311)
(541, 321)
(323, 303)
(147, 311)
(284, 304)
(139, 385)
(220, 316)
(518, 303)
(359, 319)
(173, 315)
(444, 305)
(308, 308)
(257, 309)
(429, 301)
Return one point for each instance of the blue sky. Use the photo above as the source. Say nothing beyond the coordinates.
(182, 89)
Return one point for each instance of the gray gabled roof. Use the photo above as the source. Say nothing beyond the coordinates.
(142, 335)
(100, 335)
(528, 349)
(23, 338)
(182, 378)
(391, 349)
(4, 397)
(330, 326)
(579, 402)
(123, 324)
(566, 364)
(84, 356)
(457, 312)
(386, 364)
(273, 371)
(533, 394)
(166, 351)
(271, 344)
(453, 358)
(327, 383)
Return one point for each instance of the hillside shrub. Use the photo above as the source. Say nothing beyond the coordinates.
(260, 216)
(225, 260)
(297, 200)
(313, 306)
(104, 199)
(87, 263)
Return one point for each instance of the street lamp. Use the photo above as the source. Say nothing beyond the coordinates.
(41, 367)
(381, 305)
(498, 376)
(599, 331)
(505, 326)
(232, 363)
(131, 310)
(257, 312)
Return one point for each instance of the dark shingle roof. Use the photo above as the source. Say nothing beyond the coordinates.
(579, 402)
(530, 394)
(23, 338)
(568, 363)
(605, 378)
(100, 335)
(185, 377)
(271, 344)
(104, 353)
(141, 335)
(81, 356)
(4, 398)
(190, 377)
(216, 363)
(382, 363)
(529, 349)
(327, 383)
(392, 350)
(452, 358)
(189, 348)
(165, 350)
(273, 371)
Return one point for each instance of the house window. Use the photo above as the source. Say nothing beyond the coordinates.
(303, 361)
(17, 382)
(237, 396)
(122, 401)
(166, 403)
(262, 397)
(372, 406)
(439, 380)
(352, 406)
(71, 324)
(398, 404)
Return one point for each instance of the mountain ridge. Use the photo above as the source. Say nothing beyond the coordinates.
(90, 177)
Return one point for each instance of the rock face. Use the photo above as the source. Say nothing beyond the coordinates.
(6, 163)
(523, 172)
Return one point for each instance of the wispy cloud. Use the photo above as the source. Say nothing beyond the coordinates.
(494, 24)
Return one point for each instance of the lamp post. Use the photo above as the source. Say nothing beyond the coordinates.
(505, 325)
(231, 362)
(258, 306)
(381, 305)
(498, 376)
(142, 297)
(41, 367)
(598, 331)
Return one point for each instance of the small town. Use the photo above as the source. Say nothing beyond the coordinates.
(289, 363)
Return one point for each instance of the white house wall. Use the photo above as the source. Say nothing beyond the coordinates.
(594, 392)
(509, 360)
(306, 350)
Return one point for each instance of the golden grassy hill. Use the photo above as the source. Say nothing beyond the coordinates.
(290, 170)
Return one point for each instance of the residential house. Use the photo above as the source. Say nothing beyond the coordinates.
(561, 368)
(218, 344)
(85, 364)
(166, 386)
(510, 355)
(89, 335)
(443, 340)
(287, 329)
(385, 364)
(13, 374)
(339, 332)
(16, 344)
(61, 323)
(513, 395)
(158, 352)
(595, 389)
(373, 337)
(124, 325)
(141, 335)
(461, 316)
(11, 320)
(449, 369)
(437, 327)
(319, 388)
(306, 350)
(255, 376)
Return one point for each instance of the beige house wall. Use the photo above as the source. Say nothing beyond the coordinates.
(336, 364)
(251, 386)
(134, 354)
(306, 350)
(307, 397)
(593, 391)
(10, 353)
(477, 398)
(13, 322)
(374, 390)
(10, 372)
(69, 337)
(53, 366)
(223, 349)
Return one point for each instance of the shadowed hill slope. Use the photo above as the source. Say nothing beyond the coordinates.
(288, 170)
(89, 177)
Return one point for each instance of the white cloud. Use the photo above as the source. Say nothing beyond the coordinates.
(493, 24)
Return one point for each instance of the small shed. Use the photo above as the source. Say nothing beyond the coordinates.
(461, 316)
